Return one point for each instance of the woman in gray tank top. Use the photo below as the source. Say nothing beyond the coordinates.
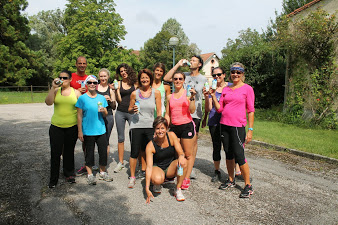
(141, 130)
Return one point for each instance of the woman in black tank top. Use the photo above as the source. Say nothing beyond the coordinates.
(161, 154)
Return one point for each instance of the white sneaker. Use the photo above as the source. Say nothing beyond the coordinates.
(91, 179)
(131, 183)
(179, 196)
(104, 176)
(157, 188)
(119, 167)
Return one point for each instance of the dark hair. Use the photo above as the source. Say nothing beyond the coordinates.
(159, 120)
(148, 72)
(67, 72)
(212, 71)
(200, 59)
(131, 79)
(179, 73)
(81, 57)
(161, 65)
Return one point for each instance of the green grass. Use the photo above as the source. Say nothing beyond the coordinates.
(319, 141)
(21, 97)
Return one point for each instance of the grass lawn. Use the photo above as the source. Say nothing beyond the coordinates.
(21, 97)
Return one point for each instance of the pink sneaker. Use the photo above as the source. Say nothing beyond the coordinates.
(185, 184)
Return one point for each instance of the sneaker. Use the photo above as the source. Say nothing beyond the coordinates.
(95, 168)
(51, 186)
(91, 180)
(81, 171)
(119, 167)
(157, 188)
(169, 180)
(131, 183)
(185, 184)
(179, 196)
(227, 184)
(247, 191)
(70, 180)
(141, 174)
(105, 176)
(216, 177)
(193, 174)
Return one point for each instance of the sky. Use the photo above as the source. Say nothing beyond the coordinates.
(207, 23)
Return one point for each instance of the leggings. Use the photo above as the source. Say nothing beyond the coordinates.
(62, 139)
(235, 137)
(215, 133)
(101, 142)
(139, 138)
(121, 118)
(109, 123)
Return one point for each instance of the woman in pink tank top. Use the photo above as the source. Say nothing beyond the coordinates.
(178, 112)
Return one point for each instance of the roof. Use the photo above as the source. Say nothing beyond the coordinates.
(308, 5)
(136, 52)
(206, 56)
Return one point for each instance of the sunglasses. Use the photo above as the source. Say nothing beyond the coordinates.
(217, 74)
(178, 78)
(92, 82)
(63, 78)
(236, 72)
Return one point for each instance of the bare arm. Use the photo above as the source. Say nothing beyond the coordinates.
(52, 93)
(167, 109)
(113, 99)
(158, 103)
(178, 148)
(251, 118)
(117, 93)
(150, 150)
(169, 75)
(132, 107)
(214, 99)
(79, 123)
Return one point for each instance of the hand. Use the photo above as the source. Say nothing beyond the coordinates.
(248, 137)
(80, 136)
(107, 98)
(205, 92)
(54, 85)
(192, 91)
(102, 109)
(212, 92)
(82, 90)
(182, 161)
(181, 62)
(135, 109)
(149, 195)
(112, 87)
(204, 122)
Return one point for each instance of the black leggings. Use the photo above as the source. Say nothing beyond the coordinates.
(215, 133)
(62, 140)
(139, 138)
(235, 137)
(101, 142)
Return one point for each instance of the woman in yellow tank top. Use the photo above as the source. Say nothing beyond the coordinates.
(63, 129)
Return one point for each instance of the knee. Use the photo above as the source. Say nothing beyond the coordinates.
(157, 179)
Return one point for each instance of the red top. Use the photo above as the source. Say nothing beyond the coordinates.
(77, 80)
(179, 110)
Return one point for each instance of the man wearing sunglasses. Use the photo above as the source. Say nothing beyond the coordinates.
(80, 76)
(196, 81)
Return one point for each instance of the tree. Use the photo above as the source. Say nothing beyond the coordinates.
(18, 63)
(157, 49)
(94, 30)
(291, 5)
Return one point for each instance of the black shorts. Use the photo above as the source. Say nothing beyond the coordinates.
(197, 124)
(185, 131)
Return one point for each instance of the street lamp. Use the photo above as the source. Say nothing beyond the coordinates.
(173, 41)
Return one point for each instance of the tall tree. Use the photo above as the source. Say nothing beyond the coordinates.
(291, 5)
(17, 62)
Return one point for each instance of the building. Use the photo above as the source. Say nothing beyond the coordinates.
(211, 61)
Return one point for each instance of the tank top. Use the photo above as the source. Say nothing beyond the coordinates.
(162, 91)
(179, 110)
(163, 156)
(106, 92)
(65, 113)
(125, 97)
(145, 117)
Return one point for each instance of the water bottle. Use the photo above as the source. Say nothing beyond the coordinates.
(99, 106)
(214, 84)
(206, 85)
(137, 103)
(186, 62)
(83, 84)
(179, 170)
(188, 90)
(58, 82)
(116, 84)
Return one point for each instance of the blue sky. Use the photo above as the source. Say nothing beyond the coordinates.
(209, 24)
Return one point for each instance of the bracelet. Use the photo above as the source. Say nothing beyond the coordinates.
(250, 128)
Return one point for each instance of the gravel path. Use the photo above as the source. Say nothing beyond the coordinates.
(288, 189)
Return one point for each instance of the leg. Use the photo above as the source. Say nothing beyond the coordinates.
(68, 151)
(56, 135)
(109, 122)
(89, 142)
(101, 142)
(187, 145)
(120, 127)
(157, 175)
(136, 141)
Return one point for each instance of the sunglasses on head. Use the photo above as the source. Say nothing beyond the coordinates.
(178, 78)
(92, 82)
(217, 74)
(236, 72)
(63, 78)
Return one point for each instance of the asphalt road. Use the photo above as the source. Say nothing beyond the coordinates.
(288, 189)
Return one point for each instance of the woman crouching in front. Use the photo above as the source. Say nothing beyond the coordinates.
(161, 163)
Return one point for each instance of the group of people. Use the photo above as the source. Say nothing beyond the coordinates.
(163, 124)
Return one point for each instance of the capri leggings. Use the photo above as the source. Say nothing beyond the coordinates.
(109, 122)
(101, 142)
(139, 138)
(121, 118)
(235, 137)
(215, 133)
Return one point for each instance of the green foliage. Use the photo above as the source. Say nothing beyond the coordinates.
(264, 64)
(311, 90)
(157, 49)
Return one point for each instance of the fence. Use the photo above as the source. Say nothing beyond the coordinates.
(22, 94)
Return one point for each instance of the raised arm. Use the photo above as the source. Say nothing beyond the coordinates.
(169, 75)
(52, 93)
